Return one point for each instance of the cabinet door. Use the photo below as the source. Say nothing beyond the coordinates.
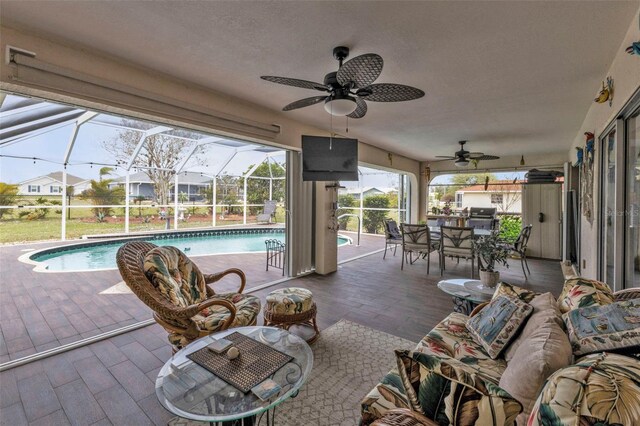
(551, 228)
(530, 210)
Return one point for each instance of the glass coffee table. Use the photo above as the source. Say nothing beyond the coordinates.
(467, 294)
(190, 391)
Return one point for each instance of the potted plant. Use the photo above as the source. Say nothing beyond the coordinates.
(446, 210)
(490, 252)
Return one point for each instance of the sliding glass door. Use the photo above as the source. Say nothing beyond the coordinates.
(619, 248)
(632, 249)
(608, 221)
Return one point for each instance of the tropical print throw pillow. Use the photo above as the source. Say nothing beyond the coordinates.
(604, 328)
(581, 292)
(498, 323)
(506, 289)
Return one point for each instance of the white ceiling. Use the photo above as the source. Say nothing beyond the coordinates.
(510, 77)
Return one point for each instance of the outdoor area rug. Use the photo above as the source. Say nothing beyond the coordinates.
(349, 360)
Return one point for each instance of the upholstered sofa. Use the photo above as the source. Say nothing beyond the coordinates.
(457, 359)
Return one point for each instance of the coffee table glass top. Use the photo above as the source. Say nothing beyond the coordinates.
(465, 289)
(192, 392)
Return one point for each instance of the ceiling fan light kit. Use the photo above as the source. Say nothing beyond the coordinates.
(340, 105)
(462, 162)
(347, 88)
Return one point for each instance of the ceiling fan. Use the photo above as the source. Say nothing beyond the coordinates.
(463, 157)
(347, 88)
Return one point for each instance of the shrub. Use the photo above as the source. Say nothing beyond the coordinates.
(345, 200)
(8, 195)
(510, 226)
(372, 219)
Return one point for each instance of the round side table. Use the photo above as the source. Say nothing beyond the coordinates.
(291, 306)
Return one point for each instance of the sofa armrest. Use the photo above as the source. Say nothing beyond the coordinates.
(403, 417)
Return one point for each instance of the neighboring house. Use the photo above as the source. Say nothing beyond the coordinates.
(51, 184)
(368, 191)
(506, 196)
(189, 183)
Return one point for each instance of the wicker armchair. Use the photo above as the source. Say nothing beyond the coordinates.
(179, 321)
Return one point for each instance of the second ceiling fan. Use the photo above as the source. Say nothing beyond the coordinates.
(463, 157)
(347, 89)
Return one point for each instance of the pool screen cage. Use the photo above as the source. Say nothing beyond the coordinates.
(169, 173)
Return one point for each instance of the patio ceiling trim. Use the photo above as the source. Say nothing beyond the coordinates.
(32, 72)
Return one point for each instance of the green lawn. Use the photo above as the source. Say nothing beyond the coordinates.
(82, 222)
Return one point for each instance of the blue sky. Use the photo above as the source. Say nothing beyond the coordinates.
(88, 148)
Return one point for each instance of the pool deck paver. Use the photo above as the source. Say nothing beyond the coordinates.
(43, 310)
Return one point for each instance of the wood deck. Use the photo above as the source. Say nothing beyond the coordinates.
(112, 382)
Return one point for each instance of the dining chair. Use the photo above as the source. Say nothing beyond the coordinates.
(456, 242)
(416, 239)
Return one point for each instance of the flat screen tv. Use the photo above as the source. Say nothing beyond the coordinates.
(329, 159)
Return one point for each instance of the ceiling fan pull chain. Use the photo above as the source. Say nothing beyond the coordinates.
(331, 128)
(347, 123)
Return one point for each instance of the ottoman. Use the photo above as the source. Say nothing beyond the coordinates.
(291, 306)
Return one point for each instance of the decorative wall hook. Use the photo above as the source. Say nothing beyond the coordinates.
(427, 174)
(606, 94)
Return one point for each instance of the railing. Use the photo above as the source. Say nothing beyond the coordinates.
(359, 224)
(276, 250)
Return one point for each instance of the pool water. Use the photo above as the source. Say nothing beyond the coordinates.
(103, 255)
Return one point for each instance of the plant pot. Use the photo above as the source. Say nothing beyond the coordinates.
(489, 278)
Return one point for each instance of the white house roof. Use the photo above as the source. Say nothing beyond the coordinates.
(190, 178)
(499, 186)
(371, 188)
(57, 177)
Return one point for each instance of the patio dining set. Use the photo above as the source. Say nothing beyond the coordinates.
(418, 241)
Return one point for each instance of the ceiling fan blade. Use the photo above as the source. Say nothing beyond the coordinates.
(474, 155)
(361, 71)
(304, 103)
(385, 92)
(446, 157)
(361, 109)
(486, 157)
(305, 84)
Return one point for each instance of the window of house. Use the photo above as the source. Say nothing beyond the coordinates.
(55, 189)
(34, 188)
(496, 198)
(459, 201)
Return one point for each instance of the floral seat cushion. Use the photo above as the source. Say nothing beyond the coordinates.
(175, 276)
(289, 301)
(451, 339)
(247, 308)
(599, 389)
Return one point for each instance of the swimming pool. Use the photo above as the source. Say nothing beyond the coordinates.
(102, 255)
